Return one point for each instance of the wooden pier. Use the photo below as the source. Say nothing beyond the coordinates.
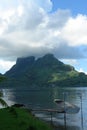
(51, 111)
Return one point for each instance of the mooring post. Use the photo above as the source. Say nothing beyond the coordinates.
(81, 112)
(51, 118)
(64, 110)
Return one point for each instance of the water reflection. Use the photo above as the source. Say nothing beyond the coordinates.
(45, 99)
(68, 128)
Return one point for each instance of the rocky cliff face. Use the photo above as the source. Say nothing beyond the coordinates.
(22, 64)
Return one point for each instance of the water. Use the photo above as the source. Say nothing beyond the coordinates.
(44, 99)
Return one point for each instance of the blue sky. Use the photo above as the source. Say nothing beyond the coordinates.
(37, 27)
(76, 6)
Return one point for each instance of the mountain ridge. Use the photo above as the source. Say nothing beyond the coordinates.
(45, 71)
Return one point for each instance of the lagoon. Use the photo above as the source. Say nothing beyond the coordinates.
(44, 99)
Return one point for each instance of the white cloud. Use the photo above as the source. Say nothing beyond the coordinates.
(32, 32)
(70, 61)
(29, 28)
(5, 65)
(45, 4)
(75, 30)
(82, 70)
(58, 19)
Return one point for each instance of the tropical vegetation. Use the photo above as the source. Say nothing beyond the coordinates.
(2, 101)
(20, 119)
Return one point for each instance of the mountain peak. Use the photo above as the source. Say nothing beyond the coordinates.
(25, 64)
(48, 60)
(26, 60)
(44, 71)
(49, 55)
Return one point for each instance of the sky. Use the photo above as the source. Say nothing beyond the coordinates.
(38, 27)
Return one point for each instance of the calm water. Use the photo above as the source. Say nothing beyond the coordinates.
(42, 99)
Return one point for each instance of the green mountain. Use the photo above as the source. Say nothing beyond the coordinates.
(45, 71)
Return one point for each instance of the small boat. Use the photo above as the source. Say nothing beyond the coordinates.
(66, 106)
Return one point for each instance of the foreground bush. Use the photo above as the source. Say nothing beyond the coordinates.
(20, 119)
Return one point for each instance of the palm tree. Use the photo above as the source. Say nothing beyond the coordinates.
(2, 102)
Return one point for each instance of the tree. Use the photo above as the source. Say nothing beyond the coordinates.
(2, 102)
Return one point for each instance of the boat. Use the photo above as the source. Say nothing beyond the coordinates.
(66, 107)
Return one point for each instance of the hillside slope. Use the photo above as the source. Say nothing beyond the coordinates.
(43, 72)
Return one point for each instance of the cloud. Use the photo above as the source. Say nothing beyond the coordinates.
(31, 28)
(45, 4)
(5, 65)
(82, 70)
(58, 19)
(75, 30)
(70, 61)
(68, 52)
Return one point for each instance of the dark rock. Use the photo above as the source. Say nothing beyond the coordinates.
(18, 105)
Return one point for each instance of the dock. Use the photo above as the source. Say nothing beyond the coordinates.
(51, 111)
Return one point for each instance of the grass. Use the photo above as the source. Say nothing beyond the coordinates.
(20, 119)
